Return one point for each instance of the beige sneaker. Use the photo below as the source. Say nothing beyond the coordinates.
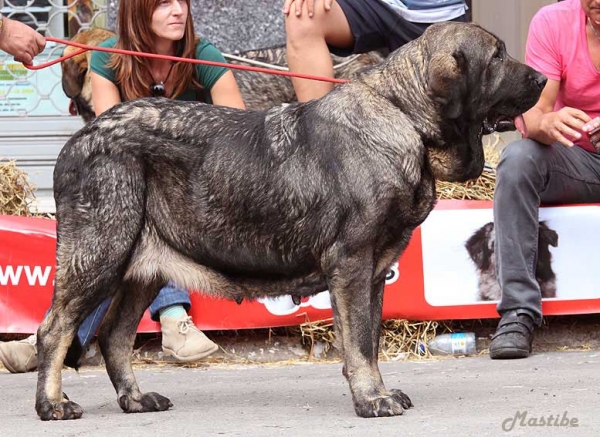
(19, 356)
(182, 340)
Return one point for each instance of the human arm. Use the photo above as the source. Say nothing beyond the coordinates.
(218, 81)
(225, 92)
(105, 93)
(20, 40)
(548, 126)
(310, 4)
(547, 52)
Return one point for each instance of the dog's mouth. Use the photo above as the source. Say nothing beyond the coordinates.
(73, 107)
(502, 123)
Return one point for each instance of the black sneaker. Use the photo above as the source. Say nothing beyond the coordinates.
(513, 337)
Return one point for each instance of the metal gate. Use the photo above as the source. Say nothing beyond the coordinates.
(34, 111)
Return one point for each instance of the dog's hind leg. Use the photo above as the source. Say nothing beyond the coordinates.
(117, 337)
(99, 218)
(55, 335)
(357, 305)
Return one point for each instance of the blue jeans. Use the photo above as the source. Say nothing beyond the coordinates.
(168, 296)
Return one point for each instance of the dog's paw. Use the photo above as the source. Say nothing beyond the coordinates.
(392, 404)
(144, 403)
(402, 398)
(63, 410)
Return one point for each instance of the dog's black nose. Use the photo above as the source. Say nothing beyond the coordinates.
(540, 80)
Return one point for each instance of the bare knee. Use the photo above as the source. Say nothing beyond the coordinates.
(329, 26)
(302, 29)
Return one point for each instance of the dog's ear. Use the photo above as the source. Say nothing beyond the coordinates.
(72, 78)
(446, 81)
(478, 246)
(548, 235)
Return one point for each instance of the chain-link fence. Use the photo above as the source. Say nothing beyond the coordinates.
(39, 93)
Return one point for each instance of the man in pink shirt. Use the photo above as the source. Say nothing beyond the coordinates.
(555, 163)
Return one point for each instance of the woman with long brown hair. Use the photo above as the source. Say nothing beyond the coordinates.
(164, 27)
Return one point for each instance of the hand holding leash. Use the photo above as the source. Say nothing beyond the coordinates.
(20, 40)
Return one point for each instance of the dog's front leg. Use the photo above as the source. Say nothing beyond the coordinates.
(357, 305)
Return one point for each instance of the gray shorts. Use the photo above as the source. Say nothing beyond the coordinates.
(376, 26)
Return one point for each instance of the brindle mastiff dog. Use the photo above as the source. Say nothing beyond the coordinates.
(243, 204)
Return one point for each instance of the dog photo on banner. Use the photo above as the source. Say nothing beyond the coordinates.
(459, 267)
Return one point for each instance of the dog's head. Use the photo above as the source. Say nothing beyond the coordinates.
(76, 74)
(476, 84)
(456, 82)
(480, 247)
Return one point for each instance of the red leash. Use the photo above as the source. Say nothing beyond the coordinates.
(84, 48)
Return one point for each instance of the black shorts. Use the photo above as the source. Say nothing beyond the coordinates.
(376, 26)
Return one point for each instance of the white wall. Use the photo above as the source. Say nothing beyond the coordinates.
(509, 20)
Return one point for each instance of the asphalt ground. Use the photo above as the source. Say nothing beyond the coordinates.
(550, 394)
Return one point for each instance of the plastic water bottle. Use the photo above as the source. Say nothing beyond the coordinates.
(462, 343)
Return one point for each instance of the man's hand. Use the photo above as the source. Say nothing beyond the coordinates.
(21, 41)
(564, 122)
(310, 4)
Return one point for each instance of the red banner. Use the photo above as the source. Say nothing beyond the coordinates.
(434, 280)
